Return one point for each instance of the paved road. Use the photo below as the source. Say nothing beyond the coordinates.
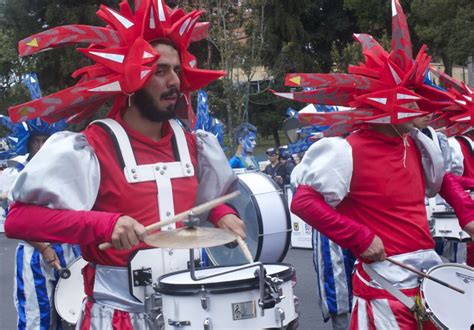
(310, 314)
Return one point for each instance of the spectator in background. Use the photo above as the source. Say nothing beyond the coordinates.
(287, 161)
(276, 170)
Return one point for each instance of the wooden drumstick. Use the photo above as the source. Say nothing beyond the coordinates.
(393, 261)
(245, 249)
(183, 215)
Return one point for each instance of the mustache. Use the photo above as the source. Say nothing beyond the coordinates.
(172, 92)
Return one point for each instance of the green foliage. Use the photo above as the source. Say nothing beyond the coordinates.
(446, 27)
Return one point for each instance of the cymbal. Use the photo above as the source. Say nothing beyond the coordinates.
(190, 238)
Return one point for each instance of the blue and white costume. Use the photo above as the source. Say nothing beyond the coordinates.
(35, 279)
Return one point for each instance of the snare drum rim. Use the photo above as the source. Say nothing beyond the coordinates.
(221, 287)
(432, 316)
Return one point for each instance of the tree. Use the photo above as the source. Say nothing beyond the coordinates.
(446, 27)
(22, 18)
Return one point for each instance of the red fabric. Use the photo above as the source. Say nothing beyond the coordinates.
(470, 254)
(86, 321)
(121, 321)
(61, 226)
(218, 212)
(386, 196)
(310, 206)
(459, 200)
(465, 182)
(468, 162)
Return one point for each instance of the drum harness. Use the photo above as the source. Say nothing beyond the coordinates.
(414, 305)
(162, 173)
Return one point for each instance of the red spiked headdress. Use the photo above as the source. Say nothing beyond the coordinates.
(124, 59)
(378, 90)
(459, 116)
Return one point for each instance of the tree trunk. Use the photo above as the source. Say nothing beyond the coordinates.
(276, 136)
(448, 64)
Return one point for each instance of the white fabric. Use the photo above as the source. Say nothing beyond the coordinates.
(327, 168)
(400, 277)
(215, 176)
(457, 164)
(73, 173)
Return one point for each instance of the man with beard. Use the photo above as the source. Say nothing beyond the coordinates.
(128, 171)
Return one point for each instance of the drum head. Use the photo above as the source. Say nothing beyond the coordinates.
(450, 308)
(260, 200)
(69, 293)
(181, 283)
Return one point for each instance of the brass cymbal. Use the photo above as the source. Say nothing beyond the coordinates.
(190, 238)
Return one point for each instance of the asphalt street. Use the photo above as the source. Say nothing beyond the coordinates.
(310, 314)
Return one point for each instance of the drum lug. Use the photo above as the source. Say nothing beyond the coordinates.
(205, 302)
(207, 324)
(280, 315)
(179, 324)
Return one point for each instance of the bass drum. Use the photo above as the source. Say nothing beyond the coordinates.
(69, 293)
(262, 205)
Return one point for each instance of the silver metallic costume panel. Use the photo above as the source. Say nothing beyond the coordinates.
(215, 176)
(432, 161)
(327, 167)
(73, 173)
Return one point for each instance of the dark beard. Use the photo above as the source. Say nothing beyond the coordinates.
(147, 108)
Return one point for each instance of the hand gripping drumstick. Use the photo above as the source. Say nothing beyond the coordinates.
(183, 215)
(424, 275)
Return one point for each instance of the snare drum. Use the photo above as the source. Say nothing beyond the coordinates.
(263, 207)
(226, 301)
(69, 293)
(446, 225)
(447, 308)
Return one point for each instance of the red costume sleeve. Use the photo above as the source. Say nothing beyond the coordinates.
(465, 182)
(453, 192)
(310, 206)
(38, 223)
(218, 212)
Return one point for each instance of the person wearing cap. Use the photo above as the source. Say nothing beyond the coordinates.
(366, 192)
(35, 262)
(275, 170)
(287, 161)
(135, 168)
(245, 137)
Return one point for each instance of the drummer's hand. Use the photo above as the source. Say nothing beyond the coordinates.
(469, 228)
(232, 223)
(375, 251)
(127, 233)
(50, 256)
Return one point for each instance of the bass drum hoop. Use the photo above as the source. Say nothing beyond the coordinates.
(260, 224)
(219, 287)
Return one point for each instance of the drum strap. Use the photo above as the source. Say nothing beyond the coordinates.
(403, 298)
(161, 173)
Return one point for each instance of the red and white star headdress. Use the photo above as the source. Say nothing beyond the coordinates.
(379, 90)
(458, 118)
(124, 59)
